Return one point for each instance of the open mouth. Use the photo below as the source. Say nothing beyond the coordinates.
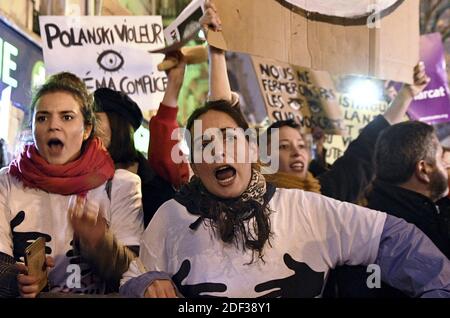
(225, 174)
(55, 145)
(297, 166)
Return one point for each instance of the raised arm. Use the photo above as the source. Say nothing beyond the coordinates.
(397, 110)
(219, 85)
(162, 126)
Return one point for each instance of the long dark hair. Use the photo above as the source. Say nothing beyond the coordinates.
(229, 218)
(121, 147)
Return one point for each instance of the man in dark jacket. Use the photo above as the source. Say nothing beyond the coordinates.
(411, 176)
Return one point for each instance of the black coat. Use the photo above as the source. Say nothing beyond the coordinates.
(414, 208)
(350, 175)
(155, 190)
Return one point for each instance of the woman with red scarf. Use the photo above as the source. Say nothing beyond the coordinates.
(63, 188)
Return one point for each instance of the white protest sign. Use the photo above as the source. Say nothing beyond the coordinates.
(186, 24)
(108, 52)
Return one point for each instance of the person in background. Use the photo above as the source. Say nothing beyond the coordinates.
(118, 118)
(162, 126)
(161, 176)
(446, 158)
(318, 163)
(3, 153)
(63, 187)
(444, 203)
(411, 176)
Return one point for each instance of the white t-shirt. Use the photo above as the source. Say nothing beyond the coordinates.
(311, 234)
(26, 214)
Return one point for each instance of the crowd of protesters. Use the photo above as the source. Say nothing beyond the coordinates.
(221, 226)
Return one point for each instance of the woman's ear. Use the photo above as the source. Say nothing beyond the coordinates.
(87, 132)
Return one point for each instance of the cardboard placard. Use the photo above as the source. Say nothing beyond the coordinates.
(343, 8)
(387, 49)
(356, 117)
(287, 91)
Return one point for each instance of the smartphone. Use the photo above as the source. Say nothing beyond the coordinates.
(35, 261)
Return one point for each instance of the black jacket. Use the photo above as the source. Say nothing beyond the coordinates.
(155, 190)
(350, 175)
(414, 208)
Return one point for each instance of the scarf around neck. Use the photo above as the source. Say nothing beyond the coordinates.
(229, 218)
(197, 199)
(288, 181)
(93, 168)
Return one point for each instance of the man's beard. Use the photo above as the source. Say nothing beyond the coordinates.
(438, 185)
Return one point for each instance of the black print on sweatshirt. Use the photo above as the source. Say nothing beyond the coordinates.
(305, 283)
(197, 290)
(75, 257)
(21, 240)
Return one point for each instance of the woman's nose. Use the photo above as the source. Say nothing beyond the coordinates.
(54, 123)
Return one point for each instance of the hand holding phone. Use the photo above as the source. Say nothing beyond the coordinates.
(35, 262)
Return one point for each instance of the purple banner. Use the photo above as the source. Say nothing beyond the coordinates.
(433, 104)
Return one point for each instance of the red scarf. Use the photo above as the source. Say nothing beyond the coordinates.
(93, 168)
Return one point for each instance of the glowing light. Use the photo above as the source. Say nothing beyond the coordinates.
(141, 138)
(37, 74)
(365, 92)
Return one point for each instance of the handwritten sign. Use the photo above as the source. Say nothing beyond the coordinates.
(299, 93)
(108, 52)
(356, 117)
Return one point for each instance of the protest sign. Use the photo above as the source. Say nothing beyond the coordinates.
(287, 92)
(387, 49)
(344, 8)
(432, 105)
(108, 52)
